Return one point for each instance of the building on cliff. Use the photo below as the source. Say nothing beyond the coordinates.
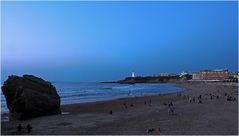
(219, 75)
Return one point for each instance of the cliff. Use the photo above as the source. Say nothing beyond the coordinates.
(149, 79)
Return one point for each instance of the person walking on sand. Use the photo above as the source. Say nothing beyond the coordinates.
(29, 128)
(19, 128)
(171, 103)
(170, 109)
(200, 99)
(125, 106)
(111, 112)
(190, 99)
(150, 102)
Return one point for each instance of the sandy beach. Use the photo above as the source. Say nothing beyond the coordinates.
(213, 116)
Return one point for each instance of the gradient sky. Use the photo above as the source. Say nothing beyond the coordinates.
(104, 41)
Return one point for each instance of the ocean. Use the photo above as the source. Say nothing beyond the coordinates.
(71, 93)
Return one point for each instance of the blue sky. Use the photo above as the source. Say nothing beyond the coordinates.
(103, 41)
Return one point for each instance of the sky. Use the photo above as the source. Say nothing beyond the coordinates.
(105, 41)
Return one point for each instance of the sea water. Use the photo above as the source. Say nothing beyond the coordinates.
(71, 93)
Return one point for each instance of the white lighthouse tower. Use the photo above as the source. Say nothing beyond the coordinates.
(133, 74)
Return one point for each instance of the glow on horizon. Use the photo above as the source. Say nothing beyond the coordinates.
(103, 41)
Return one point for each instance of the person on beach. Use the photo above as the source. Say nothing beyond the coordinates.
(111, 112)
(150, 102)
(234, 99)
(194, 99)
(131, 105)
(171, 103)
(170, 110)
(125, 106)
(190, 99)
(200, 99)
(145, 103)
(19, 128)
(29, 128)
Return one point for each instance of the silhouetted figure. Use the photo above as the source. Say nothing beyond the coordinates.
(145, 102)
(125, 105)
(170, 110)
(194, 100)
(229, 98)
(111, 112)
(19, 128)
(29, 128)
(234, 99)
(200, 99)
(190, 99)
(171, 103)
(131, 105)
(151, 130)
(150, 102)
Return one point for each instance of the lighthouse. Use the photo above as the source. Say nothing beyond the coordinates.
(133, 74)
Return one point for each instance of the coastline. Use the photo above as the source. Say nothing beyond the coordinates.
(65, 107)
(94, 117)
(125, 96)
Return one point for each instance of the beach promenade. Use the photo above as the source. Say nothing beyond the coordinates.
(215, 115)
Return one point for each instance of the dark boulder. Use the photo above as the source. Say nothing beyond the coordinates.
(31, 96)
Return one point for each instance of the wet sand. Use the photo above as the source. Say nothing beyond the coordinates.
(216, 116)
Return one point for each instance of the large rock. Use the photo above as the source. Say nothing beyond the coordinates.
(31, 96)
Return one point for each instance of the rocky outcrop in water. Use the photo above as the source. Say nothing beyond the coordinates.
(30, 96)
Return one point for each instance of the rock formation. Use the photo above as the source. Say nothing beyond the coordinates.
(30, 96)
